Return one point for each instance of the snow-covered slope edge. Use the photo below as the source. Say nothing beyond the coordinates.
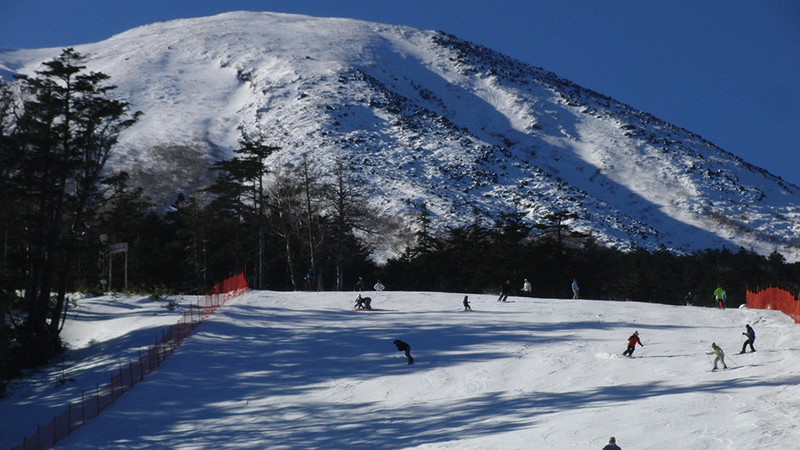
(428, 118)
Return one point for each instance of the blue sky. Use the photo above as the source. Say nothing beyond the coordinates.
(728, 70)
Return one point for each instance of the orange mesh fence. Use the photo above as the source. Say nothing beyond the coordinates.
(90, 404)
(775, 298)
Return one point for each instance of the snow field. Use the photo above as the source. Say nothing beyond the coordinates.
(302, 370)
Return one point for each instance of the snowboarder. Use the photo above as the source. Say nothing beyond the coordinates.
(715, 350)
(632, 341)
(363, 302)
(526, 288)
(612, 444)
(403, 347)
(720, 295)
(751, 337)
(379, 286)
(466, 303)
(575, 289)
(505, 289)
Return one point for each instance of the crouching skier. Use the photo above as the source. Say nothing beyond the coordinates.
(403, 347)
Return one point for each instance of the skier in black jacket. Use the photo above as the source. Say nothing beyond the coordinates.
(505, 290)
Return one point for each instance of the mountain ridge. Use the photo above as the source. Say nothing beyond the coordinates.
(427, 118)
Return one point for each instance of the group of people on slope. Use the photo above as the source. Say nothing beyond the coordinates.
(505, 290)
(527, 289)
(360, 285)
(749, 333)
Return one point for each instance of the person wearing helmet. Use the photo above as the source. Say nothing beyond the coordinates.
(612, 444)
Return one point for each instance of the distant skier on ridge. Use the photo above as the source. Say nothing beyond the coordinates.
(721, 296)
(505, 290)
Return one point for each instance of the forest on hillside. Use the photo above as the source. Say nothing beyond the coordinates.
(68, 224)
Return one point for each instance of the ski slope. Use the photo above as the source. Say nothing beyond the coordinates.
(303, 370)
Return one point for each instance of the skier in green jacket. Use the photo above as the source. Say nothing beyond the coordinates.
(721, 296)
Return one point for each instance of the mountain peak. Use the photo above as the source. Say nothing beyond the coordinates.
(427, 118)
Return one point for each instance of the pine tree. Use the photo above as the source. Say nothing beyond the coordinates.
(66, 132)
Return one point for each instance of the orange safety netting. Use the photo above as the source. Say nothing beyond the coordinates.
(775, 298)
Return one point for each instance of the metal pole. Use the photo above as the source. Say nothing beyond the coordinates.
(126, 269)
(110, 268)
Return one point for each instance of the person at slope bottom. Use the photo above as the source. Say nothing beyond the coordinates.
(612, 444)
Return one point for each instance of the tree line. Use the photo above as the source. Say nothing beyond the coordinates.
(301, 226)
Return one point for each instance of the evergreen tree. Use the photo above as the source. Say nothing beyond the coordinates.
(65, 132)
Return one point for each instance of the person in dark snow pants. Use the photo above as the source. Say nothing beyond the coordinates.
(466, 303)
(632, 341)
(363, 302)
(505, 289)
(403, 347)
(751, 337)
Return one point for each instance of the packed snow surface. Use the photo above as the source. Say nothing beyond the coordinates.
(303, 370)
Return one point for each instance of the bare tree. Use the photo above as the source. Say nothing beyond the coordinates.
(349, 211)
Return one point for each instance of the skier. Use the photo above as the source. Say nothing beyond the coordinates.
(505, 289)
(526, 288)
(751, 337)
(363, 302)
(715, 350)
(720, 296)
(632, 341)
(360, 284)
(379, 286)
(403, 347)
(466, 303)
(612, 444)
(688, 299)
(575, 289)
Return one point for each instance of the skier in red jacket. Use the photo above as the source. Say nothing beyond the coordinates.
(632, 341)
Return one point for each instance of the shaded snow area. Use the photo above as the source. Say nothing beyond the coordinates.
(303, 370)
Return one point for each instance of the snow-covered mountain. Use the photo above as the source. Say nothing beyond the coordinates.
(427, 118)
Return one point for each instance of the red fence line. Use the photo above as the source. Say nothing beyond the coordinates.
(775, 298)
(88, 407)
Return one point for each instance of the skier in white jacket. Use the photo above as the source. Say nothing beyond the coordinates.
(715, 350)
